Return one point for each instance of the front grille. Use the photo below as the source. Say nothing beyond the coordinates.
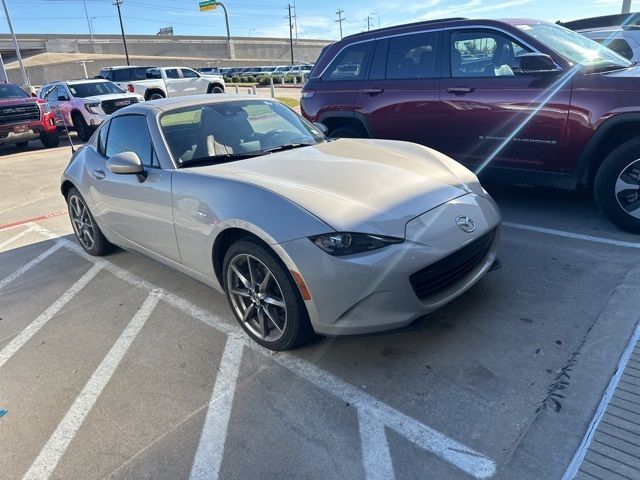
(19, 113)
(445, 272)
(110, 106)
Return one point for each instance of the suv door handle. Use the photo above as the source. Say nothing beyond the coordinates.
(460, 90)
(98, 174)
(372, 91)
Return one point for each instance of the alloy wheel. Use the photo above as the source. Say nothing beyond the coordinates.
(627, 189)
(82, 222)
(256, 297)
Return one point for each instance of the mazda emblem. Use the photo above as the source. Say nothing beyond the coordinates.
(465, 224)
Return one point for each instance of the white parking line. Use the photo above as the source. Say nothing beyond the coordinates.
(9, 241)
(50, 455)
(7, 352)
(208, 458)
(25, 268)
(575, 236)
(376, 456)
(459, 455)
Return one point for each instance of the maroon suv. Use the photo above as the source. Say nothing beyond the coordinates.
(528, 101)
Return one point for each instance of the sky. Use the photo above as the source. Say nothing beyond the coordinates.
(268, 18)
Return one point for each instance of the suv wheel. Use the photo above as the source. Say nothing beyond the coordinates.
(50, 140)
(617, 186)
(82, 129)
(264, 297)
(347, 132)
(155, 96)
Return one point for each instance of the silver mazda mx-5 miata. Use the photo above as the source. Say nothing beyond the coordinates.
(303, 234)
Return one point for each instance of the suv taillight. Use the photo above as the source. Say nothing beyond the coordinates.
(308, 93)
(130, 88)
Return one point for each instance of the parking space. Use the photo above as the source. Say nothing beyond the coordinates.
(122, 368)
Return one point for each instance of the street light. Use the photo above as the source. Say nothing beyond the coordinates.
(251, 30)
(25, 79)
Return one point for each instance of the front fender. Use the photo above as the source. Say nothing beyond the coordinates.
(206, 206)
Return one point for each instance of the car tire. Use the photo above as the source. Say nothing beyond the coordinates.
(347, 132)
(21, 145)
(267, 304)
(617, 186)
(50, 140)
(155, 96)
(87, 232)
(83, 130)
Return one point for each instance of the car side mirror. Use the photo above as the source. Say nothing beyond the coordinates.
(535, 63)
(126, 163)
(62, 98)
(322, 127)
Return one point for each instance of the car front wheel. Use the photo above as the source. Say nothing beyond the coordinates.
(617, 186)
(85, 227)
(264, 297)
(83, 130)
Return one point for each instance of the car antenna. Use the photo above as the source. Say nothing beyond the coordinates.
(66, 129)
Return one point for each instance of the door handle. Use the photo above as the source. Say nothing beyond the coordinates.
(372, 91)
(460, 90)
(98, 174)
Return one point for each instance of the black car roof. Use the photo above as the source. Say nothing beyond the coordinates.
(406, 25)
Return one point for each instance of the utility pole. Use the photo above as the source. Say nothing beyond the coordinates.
(88, 21)
(626, 6)
(117, 3)
(290, 33)
(25, 79)
(368, 20)
(340, 20)
(295, 20)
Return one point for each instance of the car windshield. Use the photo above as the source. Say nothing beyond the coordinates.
(92, 89)
(7, 90)
(231, 130)
(575, 47)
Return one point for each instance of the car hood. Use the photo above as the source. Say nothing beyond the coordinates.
(110, 96)
(18, 101)
(354, 185)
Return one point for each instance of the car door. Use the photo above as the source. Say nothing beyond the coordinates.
(60, 101)
(193, 83)
(174, 82)
(137, 209)
(491, 115)
(401, 96)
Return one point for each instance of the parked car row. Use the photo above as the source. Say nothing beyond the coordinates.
(521, 101)
(302, 69)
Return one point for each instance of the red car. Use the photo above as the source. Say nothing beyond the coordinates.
(526, 101)
(24, 118)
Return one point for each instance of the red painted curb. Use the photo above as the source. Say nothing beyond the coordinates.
(33, 219)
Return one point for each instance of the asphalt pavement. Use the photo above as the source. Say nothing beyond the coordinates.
(122, 368)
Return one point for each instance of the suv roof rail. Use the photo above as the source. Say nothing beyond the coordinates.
(414, 24)
(622, 20)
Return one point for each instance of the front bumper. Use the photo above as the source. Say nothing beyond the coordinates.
(372, 292)
(32, 131)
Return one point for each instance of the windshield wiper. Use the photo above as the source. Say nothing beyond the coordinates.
(287, 146)
(224, 158)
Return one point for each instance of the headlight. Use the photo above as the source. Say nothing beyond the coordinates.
(92, 107)
(349, 243)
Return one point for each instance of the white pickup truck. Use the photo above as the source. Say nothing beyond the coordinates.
(162, 82)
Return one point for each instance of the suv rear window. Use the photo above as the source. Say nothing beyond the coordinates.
(412, 56)
(129, 74)
(350, 64)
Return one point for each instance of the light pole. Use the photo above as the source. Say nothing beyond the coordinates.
(626, 6)
(251, 30)
(25, 79)
(88, 20)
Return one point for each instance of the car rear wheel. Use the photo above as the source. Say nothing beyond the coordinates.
(50, 140)
(82, 129)
(264, 297)
(216, 89)
(85, 227)
(347, 132)
(617, 186)
(155, 96)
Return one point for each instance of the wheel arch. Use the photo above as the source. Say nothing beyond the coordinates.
(152, 90)
(213, 85)
(66, 186)
(334, 119)
(223, 242)
(609, 135)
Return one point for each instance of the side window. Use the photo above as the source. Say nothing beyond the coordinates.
(484, 53)
(153, 73)
(51, 94)
(188, 73)
(379, 61)
(138, 74)
(350, 64)
(102, 138)
(121, 75)
(108, 74)
(413, 56)
(63, 92)
(618, 45)
(172, 73)
(129, 133)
